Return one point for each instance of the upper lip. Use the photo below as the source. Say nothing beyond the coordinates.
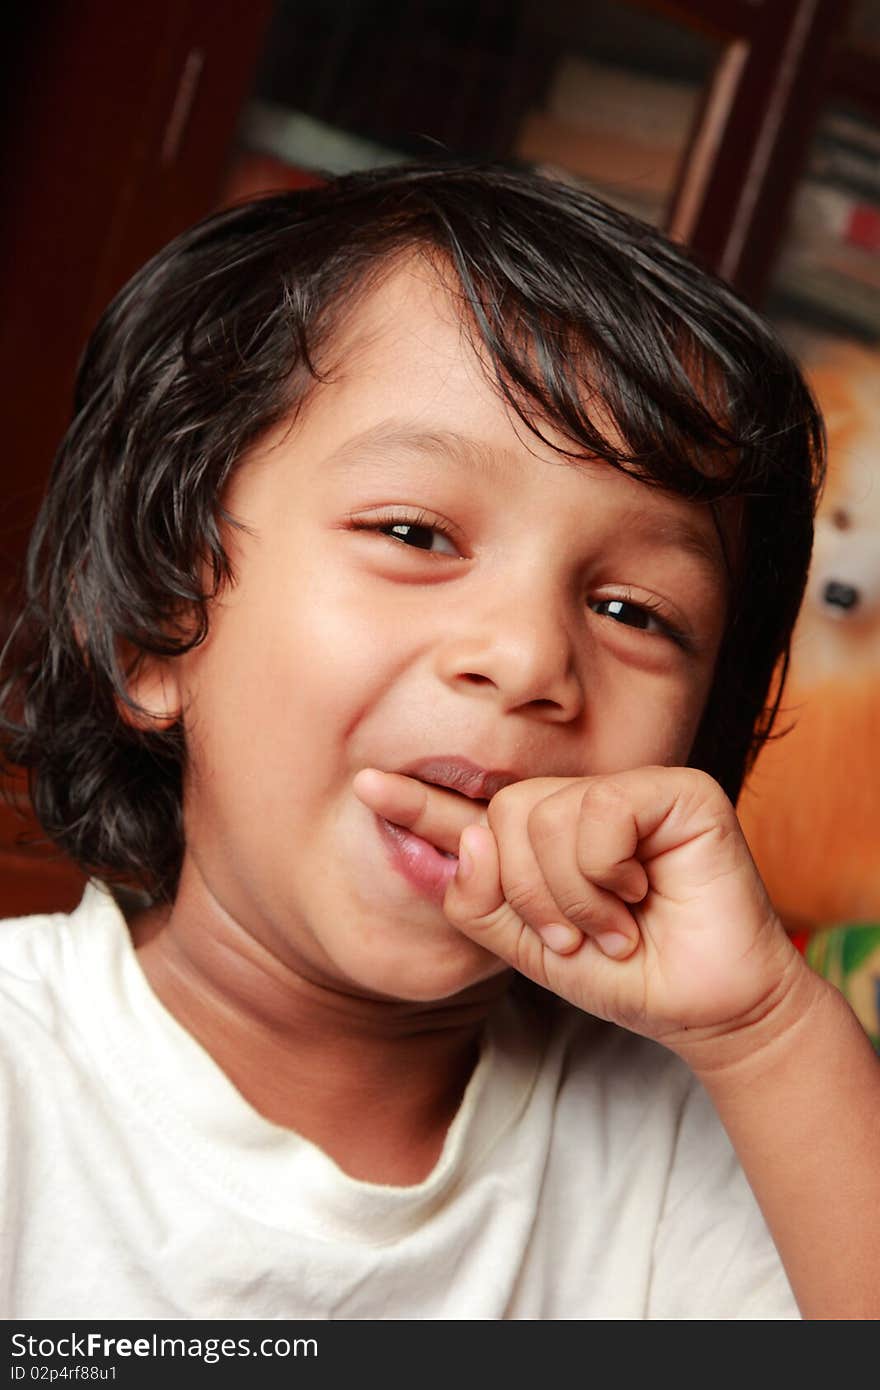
(461, 775)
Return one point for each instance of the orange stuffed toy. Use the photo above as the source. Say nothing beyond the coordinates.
(811, 807)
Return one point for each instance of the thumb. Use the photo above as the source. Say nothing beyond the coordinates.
(475, 894)
(475, 904)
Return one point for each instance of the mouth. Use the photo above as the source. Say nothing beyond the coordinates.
(427, 869)
(424, 865)
(460, 775)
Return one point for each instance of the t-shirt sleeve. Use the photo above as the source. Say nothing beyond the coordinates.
(714, 1257)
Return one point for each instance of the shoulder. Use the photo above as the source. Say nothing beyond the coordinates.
(28, 949)
(39, 965)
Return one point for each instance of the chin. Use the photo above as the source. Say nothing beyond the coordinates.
(423, 977)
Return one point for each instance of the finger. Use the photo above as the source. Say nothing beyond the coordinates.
(522, 880)
(681, 820)
(476, 905)
(435, 813)
(608, 841)
(594, 908)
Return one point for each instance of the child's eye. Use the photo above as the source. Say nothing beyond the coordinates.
(417, 530)
(636, 615)
(419, 535)
(631, 614)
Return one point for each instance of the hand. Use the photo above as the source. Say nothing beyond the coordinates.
(633, 895)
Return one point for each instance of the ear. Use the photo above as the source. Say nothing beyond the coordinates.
(154, 686)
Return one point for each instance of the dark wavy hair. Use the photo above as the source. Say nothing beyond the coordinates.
(594, 325)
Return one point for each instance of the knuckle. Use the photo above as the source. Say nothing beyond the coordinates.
(525, 898)
(604, 796)
(580, 911)
(527, 955)
(701, 777)
(702, 783)
(548, 819)
(699, 789)
(503, 807)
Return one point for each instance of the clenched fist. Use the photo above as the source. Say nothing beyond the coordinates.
(633, 895)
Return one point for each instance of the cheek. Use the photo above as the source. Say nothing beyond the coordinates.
(289, 669)
(654, 725)
(685, 719)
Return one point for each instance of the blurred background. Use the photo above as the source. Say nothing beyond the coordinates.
(748, 129)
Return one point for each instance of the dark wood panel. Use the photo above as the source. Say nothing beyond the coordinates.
(750, 142)
(119, 122)
(720, 18)
(855, 77)
(28, 886)
(34, 876)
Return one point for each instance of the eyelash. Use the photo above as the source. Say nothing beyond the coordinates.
(383, 524)
(653, 609)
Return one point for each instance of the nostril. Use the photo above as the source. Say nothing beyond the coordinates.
(839, 595)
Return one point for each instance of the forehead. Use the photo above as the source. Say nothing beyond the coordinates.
(411, 330)
(406, 386)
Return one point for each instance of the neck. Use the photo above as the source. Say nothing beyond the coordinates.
(308, 1055)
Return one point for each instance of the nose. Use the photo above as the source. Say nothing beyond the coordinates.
(518, 651)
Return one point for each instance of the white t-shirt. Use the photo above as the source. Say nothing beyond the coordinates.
(585, 1175)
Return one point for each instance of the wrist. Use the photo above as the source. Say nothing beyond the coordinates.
(768, 1034)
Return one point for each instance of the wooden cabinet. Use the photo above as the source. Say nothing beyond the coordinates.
(705, 105)
(126, 123)
(119, 118)
(825, 267)
(118, 122)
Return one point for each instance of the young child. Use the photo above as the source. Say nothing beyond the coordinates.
(401, 620)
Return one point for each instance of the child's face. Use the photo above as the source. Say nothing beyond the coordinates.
(523, 617)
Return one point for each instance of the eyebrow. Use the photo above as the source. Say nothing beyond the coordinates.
(665, 530)
(676, 532)
(390, 436)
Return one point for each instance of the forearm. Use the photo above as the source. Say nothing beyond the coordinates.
(801, 1103)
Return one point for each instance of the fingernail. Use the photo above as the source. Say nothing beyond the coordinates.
(615, 944)
(560, 937)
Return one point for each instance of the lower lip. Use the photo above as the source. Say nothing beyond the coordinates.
(417, 861)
